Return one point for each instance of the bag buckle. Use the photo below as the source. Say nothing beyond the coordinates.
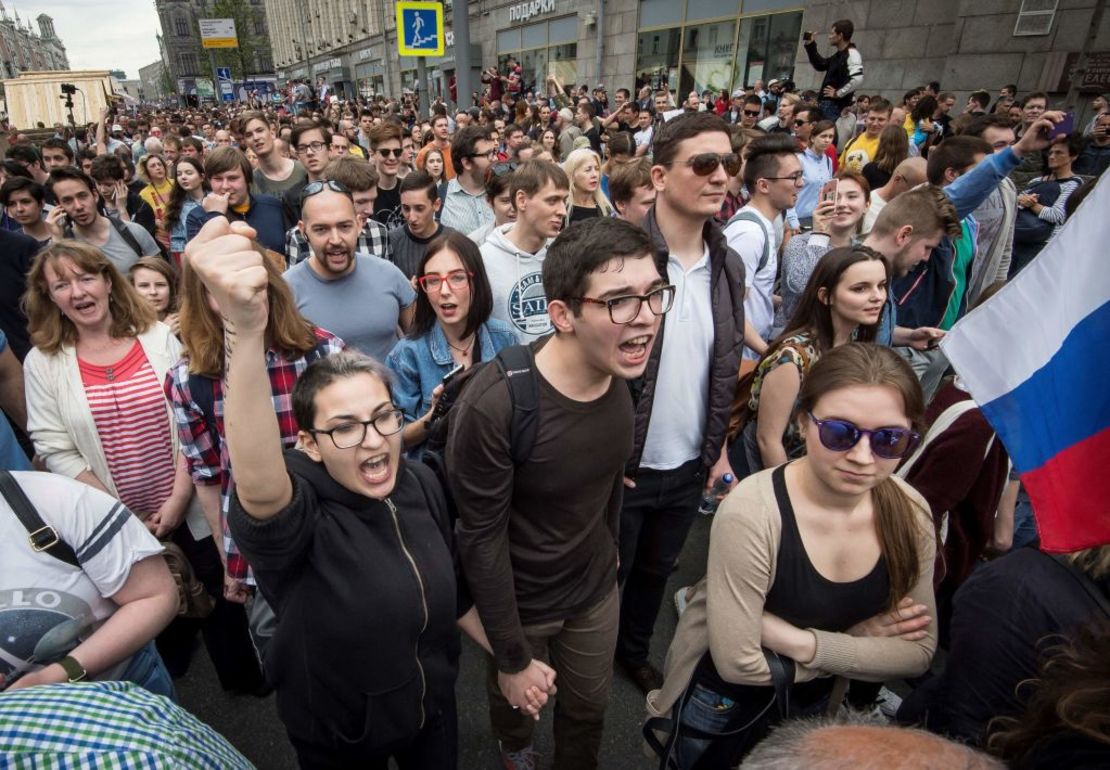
(43, 539)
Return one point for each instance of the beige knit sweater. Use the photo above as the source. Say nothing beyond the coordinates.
(725, 611)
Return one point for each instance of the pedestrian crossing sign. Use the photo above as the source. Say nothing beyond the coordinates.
(419, 28)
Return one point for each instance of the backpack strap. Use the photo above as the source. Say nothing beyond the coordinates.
(130, 239)
(42, 537)
(517, 365)
(748, 216)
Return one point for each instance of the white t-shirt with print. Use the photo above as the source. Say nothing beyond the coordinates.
(46, 605)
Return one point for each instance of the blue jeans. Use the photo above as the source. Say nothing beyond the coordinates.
(710, 712)
(1025, 526)
(147, 670)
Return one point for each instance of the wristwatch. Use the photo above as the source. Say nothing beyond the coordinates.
(75, 672)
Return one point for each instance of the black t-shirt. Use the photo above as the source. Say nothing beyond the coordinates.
(406, 250)
(387, 207)
(578, 213)
(16, 253)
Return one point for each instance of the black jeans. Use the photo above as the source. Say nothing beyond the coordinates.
(655, 519)
(435, 747)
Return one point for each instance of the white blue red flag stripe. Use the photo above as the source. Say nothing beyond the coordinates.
(1036, 358)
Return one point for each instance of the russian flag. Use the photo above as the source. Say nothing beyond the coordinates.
(1036, 358)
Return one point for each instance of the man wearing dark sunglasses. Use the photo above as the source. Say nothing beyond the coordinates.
(685, 396)
(386, 148)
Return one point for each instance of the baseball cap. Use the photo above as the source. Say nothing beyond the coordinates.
(774, 81)
(116, 127)
(738, 93)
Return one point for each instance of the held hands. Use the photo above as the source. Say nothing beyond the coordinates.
(528, 690)
(231, 268)
(1027, 200)
(908, 621)
(166, 519)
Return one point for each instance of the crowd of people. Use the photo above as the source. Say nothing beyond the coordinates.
(370, 373)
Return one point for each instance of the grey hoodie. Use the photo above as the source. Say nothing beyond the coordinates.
(516, 278)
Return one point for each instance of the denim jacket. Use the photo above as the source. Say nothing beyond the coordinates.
(418, 365)
(177, 235)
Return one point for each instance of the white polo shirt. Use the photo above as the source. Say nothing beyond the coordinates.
(678, 413)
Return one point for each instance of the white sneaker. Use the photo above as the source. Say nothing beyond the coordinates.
(886, 704)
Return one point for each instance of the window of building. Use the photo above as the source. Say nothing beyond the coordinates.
(768, 46)
(259, 26)
(657, 59)
(181, 26)
(542, 49)
(188, 63)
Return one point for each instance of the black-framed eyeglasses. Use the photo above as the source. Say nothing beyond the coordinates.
(626, 308)
(752, 113)
(350, 434)
(311, 147)
(491, 154)
(887, 443)
(798, 177)
(385, 152)
(312, 188)
(705, 163)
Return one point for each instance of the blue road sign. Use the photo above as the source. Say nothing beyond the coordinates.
(421, 26)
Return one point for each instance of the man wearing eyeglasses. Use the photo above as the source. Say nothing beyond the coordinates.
(386, 147)
(359, 298)
(464, 205)
(684, 399)
(774, 177)
(537, 539)
(311, 145)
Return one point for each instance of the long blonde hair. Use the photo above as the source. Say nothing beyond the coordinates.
(50, 329)
(202, 331)
(574, 161)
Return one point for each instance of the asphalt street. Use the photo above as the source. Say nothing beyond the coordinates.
(252, 725)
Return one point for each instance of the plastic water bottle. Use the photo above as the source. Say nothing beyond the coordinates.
(709, 500)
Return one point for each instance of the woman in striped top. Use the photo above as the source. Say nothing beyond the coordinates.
(97, 411)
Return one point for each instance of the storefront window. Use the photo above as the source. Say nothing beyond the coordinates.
(657, 59)
(542, 49)
(768, 45)
(707, 58)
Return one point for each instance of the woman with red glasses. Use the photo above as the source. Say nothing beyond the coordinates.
(451, 328)
(818, 568)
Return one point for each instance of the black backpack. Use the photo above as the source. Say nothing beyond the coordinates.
(517, 366)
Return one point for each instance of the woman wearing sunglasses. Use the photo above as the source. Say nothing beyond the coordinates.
(824, 565)
(451, 328)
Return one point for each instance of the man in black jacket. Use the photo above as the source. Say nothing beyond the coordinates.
(843, 70)
(685, 396)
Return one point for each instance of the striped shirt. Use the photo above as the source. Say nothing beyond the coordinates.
(94, 725)
(462, 211)
(128, 407)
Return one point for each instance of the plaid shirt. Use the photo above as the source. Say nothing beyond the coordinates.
(209, 462)
(730, 205)
(109, 725)
(373, 240)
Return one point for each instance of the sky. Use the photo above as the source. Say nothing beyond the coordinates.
(109, 36)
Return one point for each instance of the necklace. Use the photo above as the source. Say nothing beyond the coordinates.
(464, 350)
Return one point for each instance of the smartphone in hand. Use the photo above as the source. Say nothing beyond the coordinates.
(829, 191)
(1064, 127)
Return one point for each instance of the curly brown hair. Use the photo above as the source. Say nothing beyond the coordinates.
(1069, 696)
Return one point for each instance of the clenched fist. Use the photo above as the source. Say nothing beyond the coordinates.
(231, 266)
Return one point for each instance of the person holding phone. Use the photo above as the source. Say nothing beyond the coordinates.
(451, 328)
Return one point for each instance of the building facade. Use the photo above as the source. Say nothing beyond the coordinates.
(696, 45)
(188, 63)
(152, 78)
(24, 50)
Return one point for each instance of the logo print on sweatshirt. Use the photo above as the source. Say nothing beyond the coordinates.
(528, 305)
